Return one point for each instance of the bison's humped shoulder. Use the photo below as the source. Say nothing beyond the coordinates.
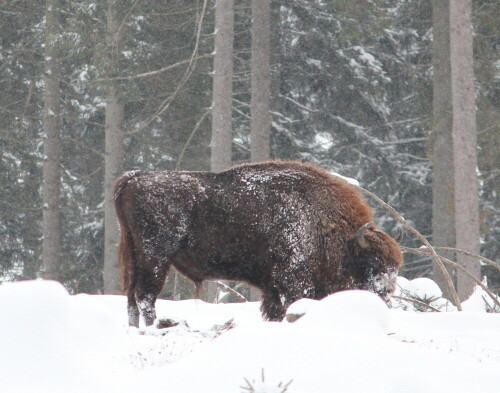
(171, 184)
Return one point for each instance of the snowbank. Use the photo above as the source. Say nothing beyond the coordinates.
(49, 344)
(348, 342)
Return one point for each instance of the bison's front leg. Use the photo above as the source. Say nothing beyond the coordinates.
(290, 283)
(272, 308)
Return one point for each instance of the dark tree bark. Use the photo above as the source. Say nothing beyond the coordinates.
(51, 246)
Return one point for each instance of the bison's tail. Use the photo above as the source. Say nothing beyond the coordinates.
(126, 247)
(125, 258)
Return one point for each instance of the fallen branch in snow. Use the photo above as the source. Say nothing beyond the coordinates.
(260, 389)
(224, 286)
(419, 251)
(491, 308)
(433, 252)
(420, 303)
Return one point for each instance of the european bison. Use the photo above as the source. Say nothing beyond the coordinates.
(290, 229)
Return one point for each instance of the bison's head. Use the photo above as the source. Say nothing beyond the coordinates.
(374, 260)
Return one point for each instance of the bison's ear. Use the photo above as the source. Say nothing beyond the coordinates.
(360, 235)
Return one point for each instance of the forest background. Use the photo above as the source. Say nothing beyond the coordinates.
(350, 89)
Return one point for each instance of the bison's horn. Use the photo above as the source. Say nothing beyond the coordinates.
(400, 236)
(360, 235)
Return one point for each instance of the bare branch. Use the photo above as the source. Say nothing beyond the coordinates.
(28, 99)
(299, 104)
(125, 18)
(470, 254)
(187, 74)
(457, 266)
(181, 155)
(84, 145)
(434, 254)
(17, 53)
(159, 71)
(404, 141)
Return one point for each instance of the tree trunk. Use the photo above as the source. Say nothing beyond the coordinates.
(222, 86)
(464, 142)
(222, 101)
(455, 220)
(31, 192)
(113, 162)
(51, 246)
(112, 169)
(260, 123)
(443, 187)
(275, 59)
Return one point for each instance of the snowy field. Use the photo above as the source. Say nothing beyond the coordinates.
(51, 342)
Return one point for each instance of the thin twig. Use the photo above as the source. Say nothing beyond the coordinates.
(151, 73)
(434, 255)
(17, 53)
(420, 303)
(129, 12)
(84, 145)
(181, 155)
(187, 74)
(470, 254)
(28, 99)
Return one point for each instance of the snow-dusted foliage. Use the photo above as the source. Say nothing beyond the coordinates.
(84, 61)
(420, 294)
(351, 91)
(20, 139)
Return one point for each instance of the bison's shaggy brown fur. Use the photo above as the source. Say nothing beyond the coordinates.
(287, 228)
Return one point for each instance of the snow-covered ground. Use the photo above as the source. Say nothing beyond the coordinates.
(51, 342)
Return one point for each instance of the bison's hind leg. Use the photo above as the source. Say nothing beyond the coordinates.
(146, 303)
(149, 282)
(133, 310)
